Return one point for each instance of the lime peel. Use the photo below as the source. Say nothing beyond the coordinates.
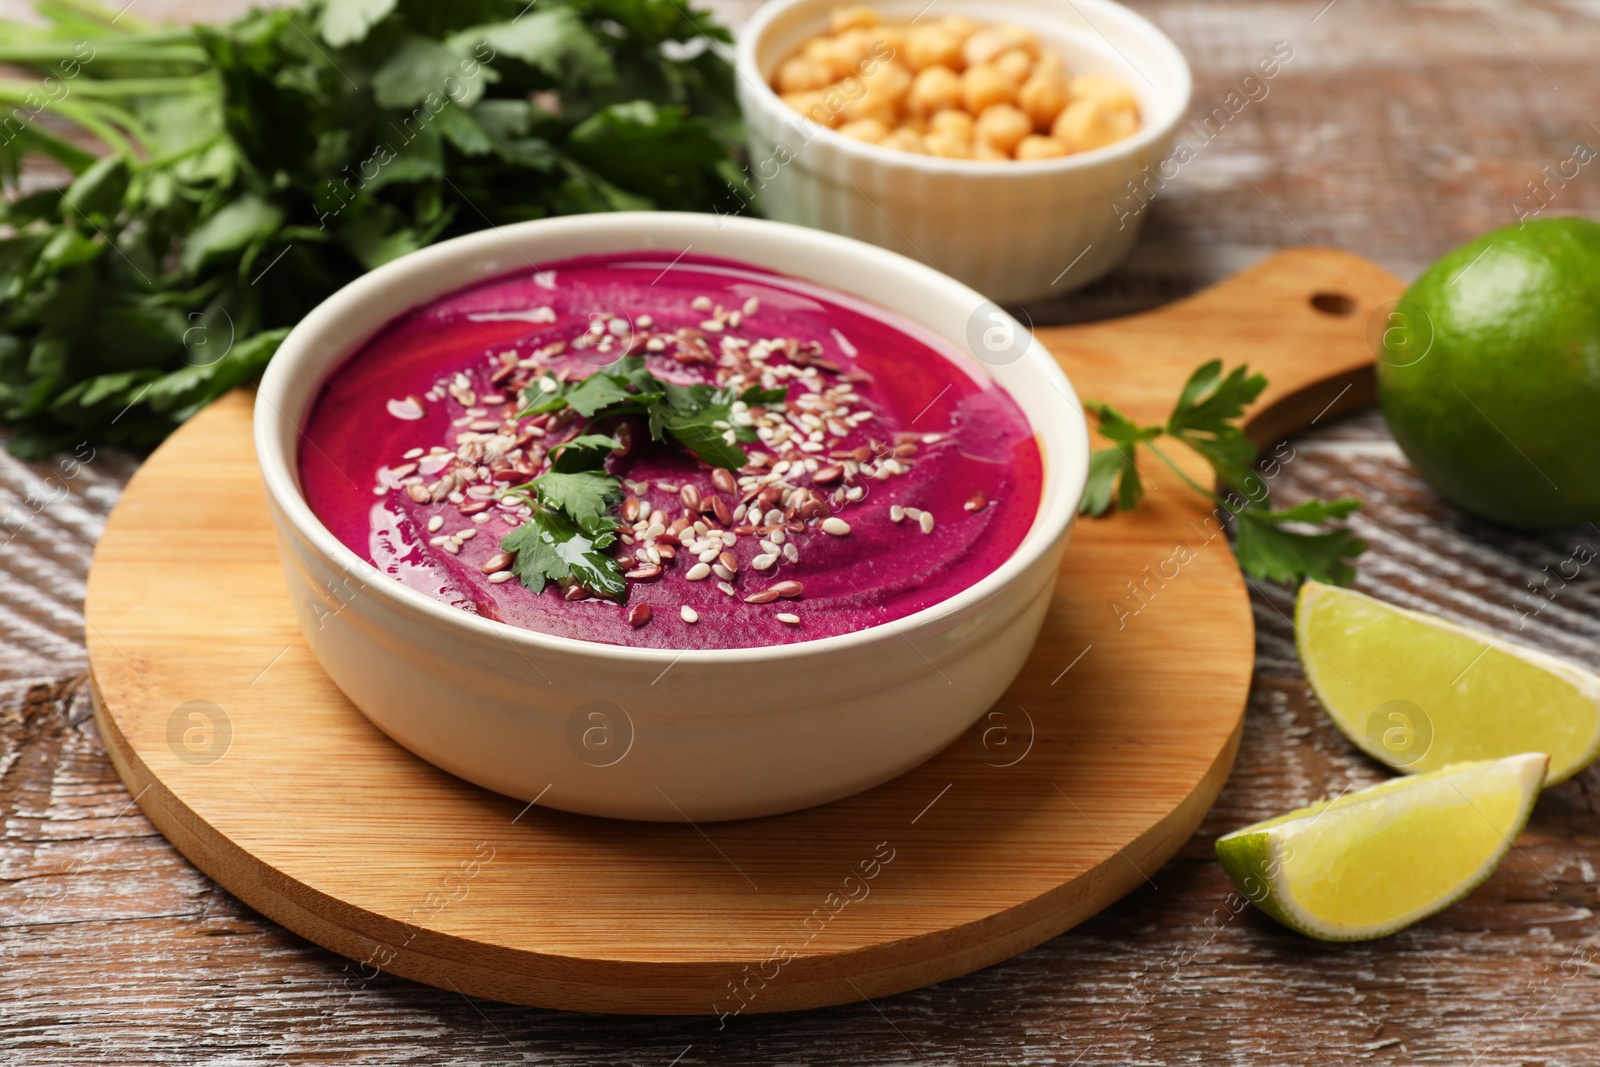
(1463, 694)
(1371, 863)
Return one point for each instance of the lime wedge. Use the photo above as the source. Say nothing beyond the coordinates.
(1418, 693)
(1371, 863)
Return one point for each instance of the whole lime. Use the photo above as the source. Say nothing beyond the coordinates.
(1489, 374)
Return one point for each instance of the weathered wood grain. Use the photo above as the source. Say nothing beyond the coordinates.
(1400, 130)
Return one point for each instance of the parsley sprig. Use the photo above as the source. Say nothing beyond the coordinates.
(567, 537)
(1269, 544)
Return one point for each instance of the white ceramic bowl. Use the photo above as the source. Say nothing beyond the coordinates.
(647, 733)
(1013, 231)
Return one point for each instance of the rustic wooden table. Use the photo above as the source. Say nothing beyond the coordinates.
(1397, 131)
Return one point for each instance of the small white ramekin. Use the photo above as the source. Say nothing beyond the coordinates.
(648, 733)
(1013, 231)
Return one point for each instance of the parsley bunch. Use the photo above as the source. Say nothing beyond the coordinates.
(252, 168)
(571, 528)
(1269, 544)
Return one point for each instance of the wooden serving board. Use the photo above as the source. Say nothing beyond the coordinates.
(1096, 767)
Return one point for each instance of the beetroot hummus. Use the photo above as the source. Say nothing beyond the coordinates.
(884, 470)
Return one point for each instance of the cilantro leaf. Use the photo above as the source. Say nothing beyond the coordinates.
(1113, 483)
(585, 497)
(1206, 419)
(242, 171)
(597, 392)
(586, 452)
(1267, 550)
(1205, 416)
(550, 548)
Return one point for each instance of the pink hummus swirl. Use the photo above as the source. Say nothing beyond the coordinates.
(894, 474)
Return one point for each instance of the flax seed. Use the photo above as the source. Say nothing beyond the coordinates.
(766, 596)
(644, 572)
(722, 478)
(977, 502)
(638, 615)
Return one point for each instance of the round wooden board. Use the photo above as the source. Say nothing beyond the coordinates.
(1101, 761)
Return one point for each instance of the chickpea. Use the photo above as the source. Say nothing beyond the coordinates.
(959, 27)
(982, 86)
(989, 42)
(934, 89)
(893, 40)
(871, 130)
(1112, 92)
(820, 51)
(947, 146)
(812, 105)
(852, 53)
(1002, 126)
(1035, 147)
(801, 75)
(1088, 124)
(883, 89)
(854, 18)
(1015, 65)
(952, 87)
(1043, 96)
(957, 124)
(905, 140)
(928, 46)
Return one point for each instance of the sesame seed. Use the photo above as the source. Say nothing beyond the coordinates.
(722, 572)
(466, 535)
(791, 553)
(765, 561)
(434, 523)
(499, 577)
(897, 513)
(789, 617)
(751, 306)
(698, 572)
(835, 526)
(726, 588)
(926, 521)
(688, 614)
